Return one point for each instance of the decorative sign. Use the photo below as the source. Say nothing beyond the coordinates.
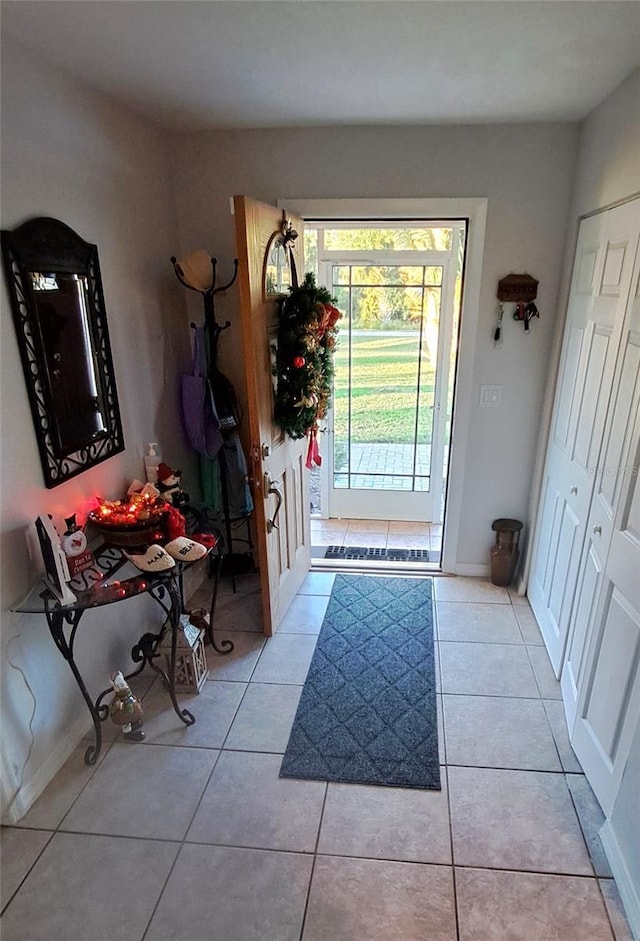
(517, 288)
(56, 569)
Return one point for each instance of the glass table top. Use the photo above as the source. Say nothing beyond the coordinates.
(112, 578)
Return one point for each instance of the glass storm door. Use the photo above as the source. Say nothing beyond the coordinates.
(386, 428)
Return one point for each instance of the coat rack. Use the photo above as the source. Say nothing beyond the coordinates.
(198, 272)
(193, 268)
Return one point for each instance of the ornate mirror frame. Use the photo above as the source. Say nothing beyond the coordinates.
(39, 256)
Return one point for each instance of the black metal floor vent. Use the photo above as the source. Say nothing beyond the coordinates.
(377, 555)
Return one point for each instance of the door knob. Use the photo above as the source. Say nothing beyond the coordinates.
(574, 490)
(597, 530)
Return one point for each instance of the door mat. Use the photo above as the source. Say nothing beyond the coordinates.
(377, 555)
(367, 713)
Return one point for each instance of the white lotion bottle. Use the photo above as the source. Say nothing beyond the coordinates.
(151, 460)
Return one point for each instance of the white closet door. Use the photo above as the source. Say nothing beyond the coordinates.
(604, 259)
(602, 672)
(607, 482)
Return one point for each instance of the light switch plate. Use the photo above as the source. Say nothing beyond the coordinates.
(490, 396)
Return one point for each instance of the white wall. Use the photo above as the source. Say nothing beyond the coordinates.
(525, 172)
(77, 157)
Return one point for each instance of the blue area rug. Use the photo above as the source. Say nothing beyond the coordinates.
(367, 713)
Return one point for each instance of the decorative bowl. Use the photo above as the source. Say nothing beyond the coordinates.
(131, 535)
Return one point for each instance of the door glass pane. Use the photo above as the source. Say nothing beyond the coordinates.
(341, 360)
(385, 376)
(419, 239)
(376, 274)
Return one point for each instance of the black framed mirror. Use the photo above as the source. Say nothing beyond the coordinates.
(55, 288)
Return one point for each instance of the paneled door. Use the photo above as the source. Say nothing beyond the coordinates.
(601, 277)
(279, 477)
(601, 675)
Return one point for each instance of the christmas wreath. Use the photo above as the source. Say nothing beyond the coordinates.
(304, 361)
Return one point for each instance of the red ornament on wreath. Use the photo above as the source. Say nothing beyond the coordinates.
(299, 362)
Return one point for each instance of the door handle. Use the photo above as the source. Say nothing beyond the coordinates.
(271, 486)
(597, 530)
(574, 490)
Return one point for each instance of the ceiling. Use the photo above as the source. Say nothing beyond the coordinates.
(195, 64)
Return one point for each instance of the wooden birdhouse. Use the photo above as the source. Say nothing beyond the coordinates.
(191, 659)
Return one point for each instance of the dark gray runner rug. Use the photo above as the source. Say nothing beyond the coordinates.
(367, 713)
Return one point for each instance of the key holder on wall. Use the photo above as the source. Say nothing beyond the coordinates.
(521, 290)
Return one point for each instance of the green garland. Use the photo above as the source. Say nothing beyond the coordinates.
(304, 358)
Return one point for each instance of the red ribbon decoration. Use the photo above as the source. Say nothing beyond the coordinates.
(313, 452)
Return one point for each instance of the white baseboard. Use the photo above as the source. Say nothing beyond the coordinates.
(624, 882)
(466, 568)
(31, 790)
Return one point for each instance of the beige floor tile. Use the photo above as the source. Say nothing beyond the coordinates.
(89, 887)
(247, 804)
(528, 625)
(462, 588)
(264, 719)
(555, 713)
(304, 615)
(519, 906)
(232, 895)
(285, 659)
(368, 539)
(214, 708)
(328, 537)
(386, 823)
(547, 683)
(379, 900)
(19, 849)
(591, 820)
(408, 541)
(239, 664)
(56, 799)
(479, 623)
(497, 732)
(143, 791)
(367, 526)
(613, 903)
(516, 599)
(515, 820)
(241, 611)
(440, 710)
(334, 522)
(486, 670)
(317, 583)
(402, 527)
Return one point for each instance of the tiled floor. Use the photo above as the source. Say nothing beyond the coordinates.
(377, 534)
(193, 836)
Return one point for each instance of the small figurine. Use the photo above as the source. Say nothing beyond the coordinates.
(126, 709)
(169, 485)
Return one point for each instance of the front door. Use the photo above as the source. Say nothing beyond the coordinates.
(278, 472)
(393, 363)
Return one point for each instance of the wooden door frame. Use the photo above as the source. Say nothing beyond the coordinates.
(474, 211)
